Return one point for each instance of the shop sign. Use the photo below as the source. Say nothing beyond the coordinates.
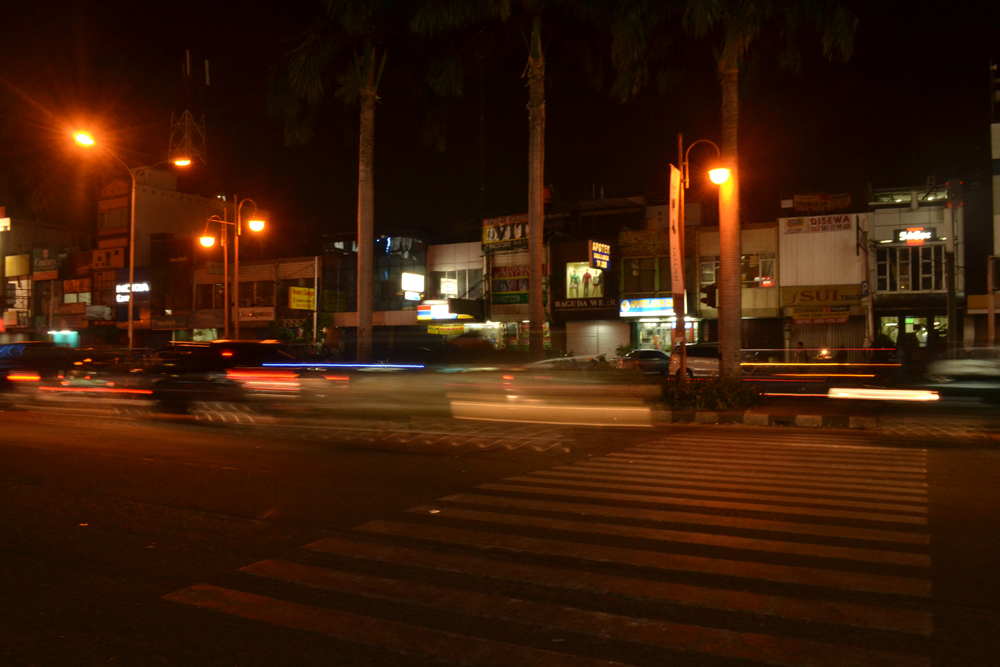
(414, 282)
(819, 223)
(821, 315)
(585, 304)
(169, 322)
(260, 314)
(821, 203)
(662, 307)
(822, 295)
(600, 255)
(510, 284)
(45, 264)
(676, 247)
(446, 329)
(915, 235)
(509, 232)
(438, 310)
(302, 298)
(207, 319)
(121, 291)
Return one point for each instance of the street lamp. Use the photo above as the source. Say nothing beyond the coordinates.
(255, 225)
(718, 176)
(86, 139)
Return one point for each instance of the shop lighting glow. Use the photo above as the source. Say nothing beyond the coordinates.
(322, 366)
(63, 332)
(884, 394)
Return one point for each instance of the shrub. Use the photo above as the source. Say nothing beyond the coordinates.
(624, 348)
(711, 395)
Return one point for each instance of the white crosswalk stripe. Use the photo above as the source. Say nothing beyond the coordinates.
(673, 548)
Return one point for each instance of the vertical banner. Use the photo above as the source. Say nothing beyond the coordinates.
(676, 234)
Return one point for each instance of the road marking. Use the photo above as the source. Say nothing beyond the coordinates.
(746, 495)
(400, 637)
(789, 472)
(755, 480)
(791, 449)
(663, 535)
(569, 472)
(858, 581)
(819, 611)
(786, 456)
(689, 517)
(811, 479)
(698, 502)
(710, 641)
(819, 444)
(878, 472)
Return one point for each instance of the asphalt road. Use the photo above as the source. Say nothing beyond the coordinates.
(226, 542)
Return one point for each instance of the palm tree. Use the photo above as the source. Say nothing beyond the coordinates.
(437, 16)
(349, 44)
(736, 24)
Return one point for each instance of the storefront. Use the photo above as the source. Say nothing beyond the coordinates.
(653, 321)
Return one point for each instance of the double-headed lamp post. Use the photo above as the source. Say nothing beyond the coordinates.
(255, 224)
(718, 176)
(85, 139)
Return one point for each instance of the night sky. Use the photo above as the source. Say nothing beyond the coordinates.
(913, 102)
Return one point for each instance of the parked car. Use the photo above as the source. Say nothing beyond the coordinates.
(652, 362)
(702, 360)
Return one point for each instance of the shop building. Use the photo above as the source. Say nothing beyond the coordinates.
(821, 270)
(912, 235)
(762, 324)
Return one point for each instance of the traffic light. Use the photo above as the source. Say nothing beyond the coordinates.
(710, 292)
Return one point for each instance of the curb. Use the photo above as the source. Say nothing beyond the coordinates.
(765, 419)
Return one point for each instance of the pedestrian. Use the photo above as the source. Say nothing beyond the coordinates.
(801, 357)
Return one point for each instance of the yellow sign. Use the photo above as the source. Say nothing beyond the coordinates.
(446, 329)
(302, 298)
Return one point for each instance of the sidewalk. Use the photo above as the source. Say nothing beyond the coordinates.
(939, 420)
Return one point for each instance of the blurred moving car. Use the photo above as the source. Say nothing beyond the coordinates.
(222, 370)
(24, 365)
(652, 362)
(972, 373)
(702, 360)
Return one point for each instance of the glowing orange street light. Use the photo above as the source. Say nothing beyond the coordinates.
(182, 162)
(84, 138)
(719, 176)
(208, 241)
(256, 225)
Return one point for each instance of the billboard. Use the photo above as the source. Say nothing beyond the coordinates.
(302, 298)
(510, 284)
(509, 232)
(45, 264)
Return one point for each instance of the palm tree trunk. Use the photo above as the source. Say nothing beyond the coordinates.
(366, 213)
(536, 187)
(730, 260)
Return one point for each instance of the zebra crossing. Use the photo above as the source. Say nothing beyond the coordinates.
(675, 552)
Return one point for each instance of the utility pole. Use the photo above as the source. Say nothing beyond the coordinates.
(953, 214)
(991, 307)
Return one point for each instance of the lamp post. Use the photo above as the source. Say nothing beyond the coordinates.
(717, 176)
(255, 225)
(85, 139)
